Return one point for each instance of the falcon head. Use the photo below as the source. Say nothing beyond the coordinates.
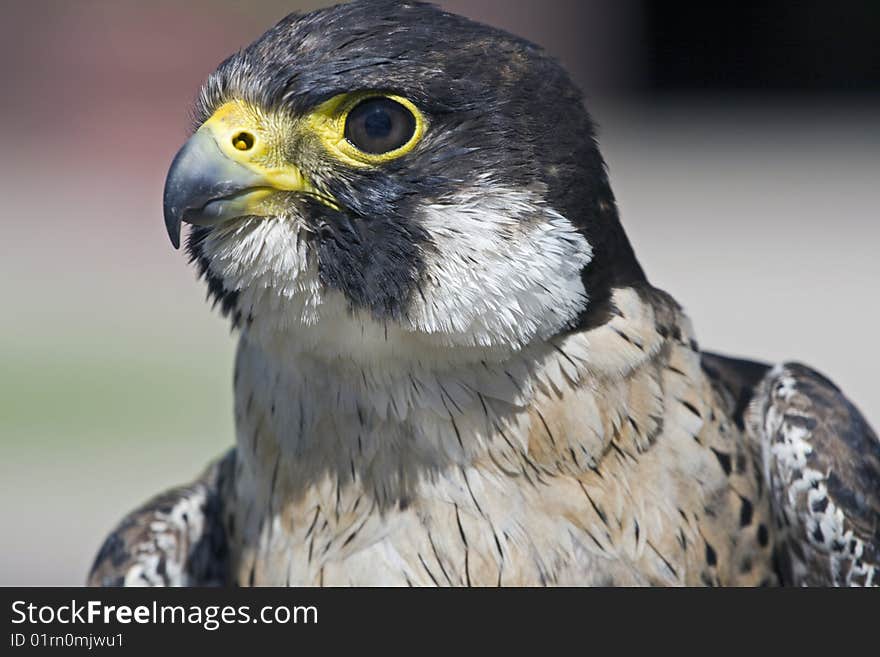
(383, 178)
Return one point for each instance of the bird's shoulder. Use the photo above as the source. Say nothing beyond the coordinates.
(176, 539)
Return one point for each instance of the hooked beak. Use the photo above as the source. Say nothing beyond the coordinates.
(204, 187)
(225, 171)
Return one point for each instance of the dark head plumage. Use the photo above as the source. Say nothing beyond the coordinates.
(500, 111)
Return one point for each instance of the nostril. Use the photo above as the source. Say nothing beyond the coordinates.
(243, 141)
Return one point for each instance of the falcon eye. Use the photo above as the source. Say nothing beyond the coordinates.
(379, 125)
(366, 128)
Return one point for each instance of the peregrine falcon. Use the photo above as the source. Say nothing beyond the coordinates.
(451, 368)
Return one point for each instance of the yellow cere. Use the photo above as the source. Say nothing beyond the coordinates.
(256, 140)
(260, 140)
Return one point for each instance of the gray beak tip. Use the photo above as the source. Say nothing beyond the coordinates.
(172, 224)
(199, 175)
(172, 219)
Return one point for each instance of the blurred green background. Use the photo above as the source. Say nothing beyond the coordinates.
(758, 212)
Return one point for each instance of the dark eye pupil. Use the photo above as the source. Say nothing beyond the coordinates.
(379, 125)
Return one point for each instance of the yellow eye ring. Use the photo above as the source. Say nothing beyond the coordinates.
(329, 122)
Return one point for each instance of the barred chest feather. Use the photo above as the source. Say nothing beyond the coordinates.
(598, 458)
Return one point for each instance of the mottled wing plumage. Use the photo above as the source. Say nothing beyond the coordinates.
(822, 462)
(176, 539)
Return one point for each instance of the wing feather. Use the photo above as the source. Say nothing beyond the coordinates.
(176, 539)
(822, 462)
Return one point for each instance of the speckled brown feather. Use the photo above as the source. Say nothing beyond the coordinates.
(611, 475)
(176, 539)
(822, 462)
(638, 476)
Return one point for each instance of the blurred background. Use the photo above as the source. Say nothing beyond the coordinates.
(743, 143)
